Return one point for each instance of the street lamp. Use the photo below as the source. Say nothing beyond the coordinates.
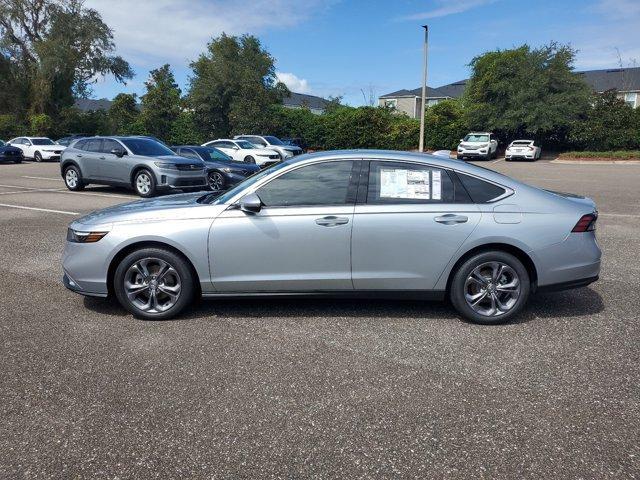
(424, 89)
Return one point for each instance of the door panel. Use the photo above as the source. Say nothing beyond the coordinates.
(112, 167)
(91, 159)
(403, 247)
(282, 249)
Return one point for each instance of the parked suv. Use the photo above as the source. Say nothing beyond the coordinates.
(143, 164)
(482, 145)
(273, 143)
(38, 148)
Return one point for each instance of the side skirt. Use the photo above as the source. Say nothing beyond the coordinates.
(370, 294)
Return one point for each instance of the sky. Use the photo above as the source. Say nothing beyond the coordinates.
(361, 49)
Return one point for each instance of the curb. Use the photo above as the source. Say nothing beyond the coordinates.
(596, 162)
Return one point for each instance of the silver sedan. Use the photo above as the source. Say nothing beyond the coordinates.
(345, 223)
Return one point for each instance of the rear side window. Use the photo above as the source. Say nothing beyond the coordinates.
(398, 182)
(92, 145)
(320, 184)
(479, 190)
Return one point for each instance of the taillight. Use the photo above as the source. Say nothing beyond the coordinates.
(587, 223)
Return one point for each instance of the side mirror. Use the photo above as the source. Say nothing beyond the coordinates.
(251, 203)
(118, 152)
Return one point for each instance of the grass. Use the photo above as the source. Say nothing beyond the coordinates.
(613, 155)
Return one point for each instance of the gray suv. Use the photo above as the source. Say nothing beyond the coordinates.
(138, 162)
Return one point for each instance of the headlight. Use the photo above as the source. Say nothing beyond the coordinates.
(84, 237)
(165, 165)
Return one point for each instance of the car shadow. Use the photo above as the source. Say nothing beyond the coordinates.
(572, 303)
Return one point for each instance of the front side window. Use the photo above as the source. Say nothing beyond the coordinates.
(108, 145)
(273, 140)
(480, 191)
(398, 182)
(215, 155)
(319, 184)
(188, 153)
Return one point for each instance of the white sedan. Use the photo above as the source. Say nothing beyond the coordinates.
(243, 151)
(523, 150)
(38, 148)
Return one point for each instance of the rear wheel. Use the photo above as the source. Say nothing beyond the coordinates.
(144, 183)
(73, 178)
(154, 284)
(37, 157)
(18, 160)
(490, 288)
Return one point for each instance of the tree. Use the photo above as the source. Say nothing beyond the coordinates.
(161, 103)
(610, 124)
(445, 125)
(52, 50)
(232, 87)
(526, 92)
(183, 130)
(40, 125)
(123, 113)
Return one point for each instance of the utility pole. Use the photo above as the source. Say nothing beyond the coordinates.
(424, 88)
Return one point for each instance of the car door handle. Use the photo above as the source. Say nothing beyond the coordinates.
(332, 221)
(101, 158)
(78, 155)
(451, 219)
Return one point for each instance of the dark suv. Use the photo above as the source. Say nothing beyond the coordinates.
(141, 163)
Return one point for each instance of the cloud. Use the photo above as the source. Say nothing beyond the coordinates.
(447, 7)
(293, 82)
(151, 31)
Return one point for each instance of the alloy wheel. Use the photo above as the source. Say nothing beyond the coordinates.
(71, 177)
(216, 181)
(143, 183)
(492, 289)
(152, 285)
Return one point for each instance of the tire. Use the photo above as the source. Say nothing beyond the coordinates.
(17, 160)
(495, 154)
(460, 157)
(139, 277)
(73, 178)
(249, 159)
(37, 157)
(144, 183)
(512, 292)
(216, 180)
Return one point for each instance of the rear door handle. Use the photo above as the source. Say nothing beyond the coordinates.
(451, 219)
(332, 221)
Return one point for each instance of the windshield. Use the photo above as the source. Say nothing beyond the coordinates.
(245, 145)
(42, 141)
(229, 194)
(274, 140)
(215, 154)
(476, 138)
(146, 147)
(522, 142)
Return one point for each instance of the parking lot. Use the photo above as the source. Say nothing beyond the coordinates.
(316, 388)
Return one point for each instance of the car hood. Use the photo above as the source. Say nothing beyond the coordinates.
(183, 206)
(53, 148)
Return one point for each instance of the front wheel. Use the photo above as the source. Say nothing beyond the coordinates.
(216, 181)
(73, 178)
(490, 288)
(17, 160)
(154, 284)
(249, 159)
(144, 184)
(37, 157)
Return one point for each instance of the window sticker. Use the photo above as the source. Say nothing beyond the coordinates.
(401, 183)
(436, 181)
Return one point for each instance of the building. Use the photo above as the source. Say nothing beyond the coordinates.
(625, 80)
(295, 100)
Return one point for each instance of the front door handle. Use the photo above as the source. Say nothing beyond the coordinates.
(451, 219)
(78, 155)
(332, 221)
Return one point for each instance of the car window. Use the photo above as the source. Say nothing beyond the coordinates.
(109, 144)
(93, 145)
(257, 141)
(245, 145)
(319, 184)
(399, 182)
(146, 147)
(79, 144)
(43, 141)
(214, 154)
(187, 152)
(480, 191)
(476, 138)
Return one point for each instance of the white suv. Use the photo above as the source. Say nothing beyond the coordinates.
(243, 151)
(38, 148)
(482, 145)
(272, 143)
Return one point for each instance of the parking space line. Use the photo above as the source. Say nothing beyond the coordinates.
(43, 178)
(64, 190)
(48, 210)
(48, 190)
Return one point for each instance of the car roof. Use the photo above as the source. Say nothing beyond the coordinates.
(394, 155)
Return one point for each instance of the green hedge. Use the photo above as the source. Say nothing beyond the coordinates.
(624, 154)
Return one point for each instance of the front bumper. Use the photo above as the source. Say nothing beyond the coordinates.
(72, 285)
(473, 153)
(175, 179)
(50, 155)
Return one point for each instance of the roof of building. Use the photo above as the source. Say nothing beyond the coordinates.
(622, 79)
(304, 100)
(89, 104)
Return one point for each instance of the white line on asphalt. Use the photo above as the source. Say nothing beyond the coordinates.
(43, 178)
(618, 215)
(23, 188)
(62, 190)
(21, 207)
(29, 191)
